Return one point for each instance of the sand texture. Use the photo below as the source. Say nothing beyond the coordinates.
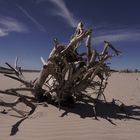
(48, 123)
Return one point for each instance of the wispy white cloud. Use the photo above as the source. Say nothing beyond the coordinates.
(40, 27)
(8, 25)
(117, 36)
(62, 11)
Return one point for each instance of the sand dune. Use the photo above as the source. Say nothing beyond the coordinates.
(48, 123)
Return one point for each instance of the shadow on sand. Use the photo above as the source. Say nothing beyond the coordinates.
(105, 110)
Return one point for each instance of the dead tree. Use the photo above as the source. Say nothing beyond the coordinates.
(69, 73)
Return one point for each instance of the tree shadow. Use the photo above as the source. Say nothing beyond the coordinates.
(14, 128)
(105, 110)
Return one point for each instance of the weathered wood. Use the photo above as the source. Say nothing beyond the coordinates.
(117, 52)
(12, 92)
(64, 78)
(42, 77)
(69, 72)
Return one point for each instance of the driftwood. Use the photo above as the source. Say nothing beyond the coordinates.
(66, 75)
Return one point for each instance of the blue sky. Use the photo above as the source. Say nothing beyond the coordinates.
(27, 28)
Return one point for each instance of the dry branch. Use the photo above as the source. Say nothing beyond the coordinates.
(69, 72)
(66, 74)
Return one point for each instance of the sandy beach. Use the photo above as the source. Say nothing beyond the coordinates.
(48, 123)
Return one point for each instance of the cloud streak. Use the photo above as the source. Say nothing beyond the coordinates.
(40, 27)
(62, 11)
(117, 36)
(8, 25)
